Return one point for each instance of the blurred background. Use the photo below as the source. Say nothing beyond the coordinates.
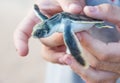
(13, 68)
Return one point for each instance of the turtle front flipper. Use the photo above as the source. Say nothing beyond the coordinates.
(38, 13)
(73, 44)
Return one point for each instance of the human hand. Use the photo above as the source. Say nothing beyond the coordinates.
(52, 47)
(102, 56)
(90, 75)
(103, 59)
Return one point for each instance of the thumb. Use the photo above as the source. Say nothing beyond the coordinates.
(72, 6)
(23, 33)
(105, 12)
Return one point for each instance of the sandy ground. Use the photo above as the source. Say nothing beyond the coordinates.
(13, 68)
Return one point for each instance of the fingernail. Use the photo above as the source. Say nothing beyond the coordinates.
(74, 8)
(68, 61)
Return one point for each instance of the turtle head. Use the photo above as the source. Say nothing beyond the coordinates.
(41, 30)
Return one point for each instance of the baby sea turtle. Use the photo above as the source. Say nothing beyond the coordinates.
(68, 24)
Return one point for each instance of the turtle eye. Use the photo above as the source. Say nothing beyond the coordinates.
(40, 33)
(44, 32)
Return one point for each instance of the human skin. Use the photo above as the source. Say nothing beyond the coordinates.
(107, 54)
(53, 48)
(100, 55)
(54, 45)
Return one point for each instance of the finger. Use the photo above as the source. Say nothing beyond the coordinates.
(53, 55)
(69, 60)
(91, 44)
(72, 6)
(112, 67)
(54, 40)
(49, 7)
(105, 12)
(90, 75)
(101, 65)
(91, 59)
(23, 33)
(99, 49)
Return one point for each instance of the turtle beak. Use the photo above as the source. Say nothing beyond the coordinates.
(35, 28)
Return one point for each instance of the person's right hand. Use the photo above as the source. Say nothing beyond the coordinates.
(52, 47)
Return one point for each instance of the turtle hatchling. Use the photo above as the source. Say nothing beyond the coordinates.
(68, 24)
